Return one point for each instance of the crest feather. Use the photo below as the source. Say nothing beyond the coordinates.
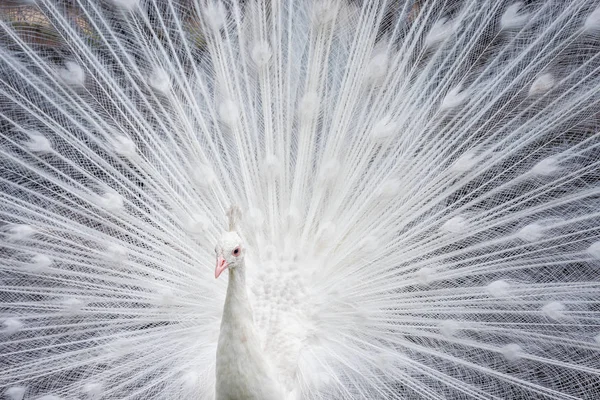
(234, 214)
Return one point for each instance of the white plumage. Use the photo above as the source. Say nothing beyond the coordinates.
(419, 184)
(243, 371)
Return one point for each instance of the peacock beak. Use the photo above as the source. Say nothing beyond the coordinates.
(221, 266)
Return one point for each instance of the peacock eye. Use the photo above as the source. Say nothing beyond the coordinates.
(236, 251)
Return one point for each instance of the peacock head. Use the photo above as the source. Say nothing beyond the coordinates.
(229, 251)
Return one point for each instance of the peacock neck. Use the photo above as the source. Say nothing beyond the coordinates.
(237, 303)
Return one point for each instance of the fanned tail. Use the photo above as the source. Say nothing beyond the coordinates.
(419, 182)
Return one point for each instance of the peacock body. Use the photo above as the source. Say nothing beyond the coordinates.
(418, 181)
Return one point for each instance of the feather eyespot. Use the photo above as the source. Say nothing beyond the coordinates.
(236, 251)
